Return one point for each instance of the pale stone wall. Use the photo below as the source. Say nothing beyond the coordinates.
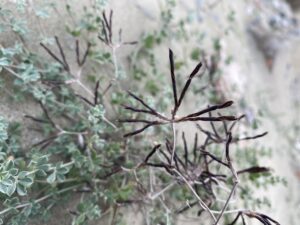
(259, 86)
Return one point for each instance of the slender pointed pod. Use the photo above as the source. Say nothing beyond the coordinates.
(211, 108)
(172, 68)
(188, 82)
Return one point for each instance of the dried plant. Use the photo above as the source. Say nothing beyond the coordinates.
(196, 172)
(106, 35)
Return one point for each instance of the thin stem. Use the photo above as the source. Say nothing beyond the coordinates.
(115, 61)
(228, 211)
(152, 197)
(40, 199)
(235, 176)
(174, 143)
(85, 88)
(227, 201)
(109, 122)
(201, 202)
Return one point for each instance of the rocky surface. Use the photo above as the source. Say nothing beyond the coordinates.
(275, 88)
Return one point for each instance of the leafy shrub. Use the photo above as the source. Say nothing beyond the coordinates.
(87, 151)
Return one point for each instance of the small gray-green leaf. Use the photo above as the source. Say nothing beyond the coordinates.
(26, 182)
(22, 174)
(21, 190)
(7, 187)
(51, 178)
(4, 62)
(13, 171)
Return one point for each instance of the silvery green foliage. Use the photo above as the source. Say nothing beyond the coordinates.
(96, 114)
(87, 211)
(8, 181)
(12, 180)
(95, 117)
(77, 147)
(15, 179)
(58, 172)
(101, 4)
(28, 73)
(6, 55)
(17, 25)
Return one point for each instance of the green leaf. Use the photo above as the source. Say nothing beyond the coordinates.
(26, 182)
(196, 54)
(101, 57)
(13, 171)
(149, 41)
(51, 178)
(80, 207)
(3, 156)
(9, 164)
(22, 174)
(44, 167)
(21, 5)
(42, 13)
(217, 44)
(60, 177)
(11, 202)
(19, 26)
(4, 62)
(10, 52)
(27, 210)
(76, 32)
(7, 186)
(41, 173)
(62, 170)
(29, 73)
(80, 219)
(179, 64)
(152, 87)
(21, 190)
(96, 114)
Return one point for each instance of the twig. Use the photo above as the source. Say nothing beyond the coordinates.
(201, 202)
(185, 150)
(235, 176)
(40, 199)
(65, 63)
(174, 143)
